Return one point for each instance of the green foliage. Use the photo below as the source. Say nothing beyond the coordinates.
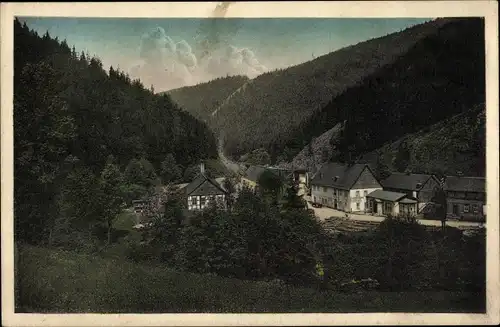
(405, 256)
(170, 171)
(292, 200)
(270, 185)
(380, 90)
(230, 186)
(381, 168)
(140, 172)
(439, 199)
(165, 231)
(417, 90)
(252, 241)
(445, 148)
(134, 192)
(190, 173)
(259, 157)
(54, 281)
(402, 158)
(209, 96)
(66, 105)
(111, 195)
(284, 107)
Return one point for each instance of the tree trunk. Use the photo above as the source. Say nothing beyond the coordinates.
(389, 263)
(50, 236)
(109, 232)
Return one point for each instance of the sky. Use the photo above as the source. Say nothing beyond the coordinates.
(169, 53)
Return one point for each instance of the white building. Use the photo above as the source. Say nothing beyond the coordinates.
(344, 187)
(204, 190)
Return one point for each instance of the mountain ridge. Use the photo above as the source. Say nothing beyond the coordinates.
(394, 92)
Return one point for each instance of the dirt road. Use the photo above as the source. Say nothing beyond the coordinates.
(325, 213)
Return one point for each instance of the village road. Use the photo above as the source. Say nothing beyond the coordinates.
(230, 165)
(325, 213)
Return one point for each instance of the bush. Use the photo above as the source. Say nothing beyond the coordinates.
(253, 241)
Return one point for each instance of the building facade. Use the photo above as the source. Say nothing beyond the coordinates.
(203, 191)
(465, 197)
(344, 187)
(384, 203)
(419, 187)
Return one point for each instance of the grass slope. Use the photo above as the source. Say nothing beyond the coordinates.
(58, 281)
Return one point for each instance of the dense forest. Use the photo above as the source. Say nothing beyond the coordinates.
(81, 131)
(203, 99)
(452, 147)
(442, 76)
(378, 90)
(278, 103)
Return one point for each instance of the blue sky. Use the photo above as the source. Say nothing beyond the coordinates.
(175, 52)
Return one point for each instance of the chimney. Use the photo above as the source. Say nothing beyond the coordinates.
(202, 168)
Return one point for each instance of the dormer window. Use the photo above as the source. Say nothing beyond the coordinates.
(336, 178)
(419, 186)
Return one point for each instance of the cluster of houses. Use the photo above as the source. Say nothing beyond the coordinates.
(354, 188)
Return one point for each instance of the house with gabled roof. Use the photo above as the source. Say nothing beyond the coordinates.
(465, 197)
(384, 203)
(418, 187)
(343, 186)
(204, 190)
(252, 174)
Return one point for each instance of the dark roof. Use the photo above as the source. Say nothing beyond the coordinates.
(405, 181)
(407, 200)
(338, 175)
(212, 186)
(386, 195)
(465, 184)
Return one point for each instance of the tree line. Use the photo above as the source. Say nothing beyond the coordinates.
(78, 128)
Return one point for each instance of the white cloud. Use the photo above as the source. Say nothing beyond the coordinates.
(167, 65)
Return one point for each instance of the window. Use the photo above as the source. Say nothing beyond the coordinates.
(335, 192)
(324, 189)
(388, 207)
(357, 205)
(466, 208)
(475, 208)
(202, 202)
(357, 194)
(365, 193)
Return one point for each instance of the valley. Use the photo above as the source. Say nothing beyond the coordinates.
(371, 94)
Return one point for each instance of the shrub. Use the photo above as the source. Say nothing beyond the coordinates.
(253, 241)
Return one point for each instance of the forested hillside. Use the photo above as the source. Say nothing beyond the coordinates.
(83, 134)
(276, 104)
(203, 99)
(442, 76)
(454, 146)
